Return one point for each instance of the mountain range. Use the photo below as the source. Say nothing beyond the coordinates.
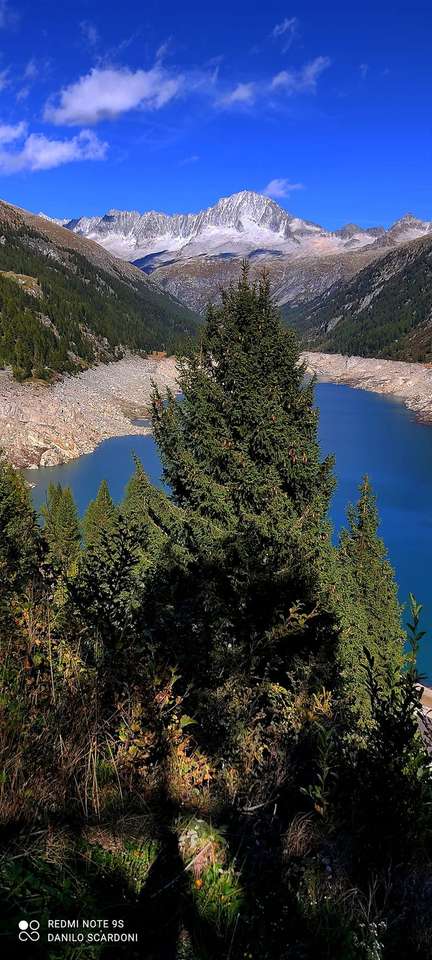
(191, 255)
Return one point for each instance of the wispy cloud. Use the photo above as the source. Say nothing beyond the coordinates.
(164, 48)
(8, 16)
(281, 187)
(303, 80)
(243, 94)
(285, 83)
(35, 71)
(286, 30)
(364, 69)
(187, 160)
(90, 33)
(107, 92)
(31, 70)
(38, 152)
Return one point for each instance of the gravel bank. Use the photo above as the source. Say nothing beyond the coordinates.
(46, 425)
(409, 382)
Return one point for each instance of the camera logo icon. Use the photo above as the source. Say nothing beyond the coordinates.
(29, 930)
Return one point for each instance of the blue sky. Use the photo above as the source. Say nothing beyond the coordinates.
(170, 106)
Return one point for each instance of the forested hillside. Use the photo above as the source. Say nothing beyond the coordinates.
(209, 722)
(384, 311)
(61, 309)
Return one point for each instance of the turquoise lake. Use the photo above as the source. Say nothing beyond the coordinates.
(368, 433)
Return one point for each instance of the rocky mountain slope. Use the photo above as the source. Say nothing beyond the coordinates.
(191, 255)
(384, 311)
(65, 302)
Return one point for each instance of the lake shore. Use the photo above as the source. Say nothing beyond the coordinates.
(47, 425)
(409, 382)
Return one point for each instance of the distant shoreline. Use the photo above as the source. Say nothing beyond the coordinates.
(409, 382)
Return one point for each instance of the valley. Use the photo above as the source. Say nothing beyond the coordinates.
(69, 305)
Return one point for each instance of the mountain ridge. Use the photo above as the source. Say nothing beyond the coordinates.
(66, 303)
(235, 223)
(384, 310)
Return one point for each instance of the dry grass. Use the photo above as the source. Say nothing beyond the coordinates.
(301, 836)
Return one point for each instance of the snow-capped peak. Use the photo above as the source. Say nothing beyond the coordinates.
(246, 223)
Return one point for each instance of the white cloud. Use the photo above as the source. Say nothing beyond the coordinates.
(364, 69)
(90, 32)
(4, 78)
(107, 92)
(38, 152)
(280, 187)
(303, 80)
(243, 94)
(286, 30)
(10, 132)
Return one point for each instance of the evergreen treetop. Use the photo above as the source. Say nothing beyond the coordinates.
(368, 603)
(245, 432)
(241, 456)
(19, 534)
(100, 518)
(61, 527)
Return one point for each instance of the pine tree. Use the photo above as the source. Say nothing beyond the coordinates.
(149, 513)
(61, 528)
(100, 519)
(104, 592)
(386, 781)
(19, 534)
(241, 456)
(369, 608)
(49, 510)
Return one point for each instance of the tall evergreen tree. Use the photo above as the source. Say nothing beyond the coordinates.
(150, 515)
(241, 456)
(19, 534)
(105, 591)
(61, 527)
(369, 608)
(100, 518)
